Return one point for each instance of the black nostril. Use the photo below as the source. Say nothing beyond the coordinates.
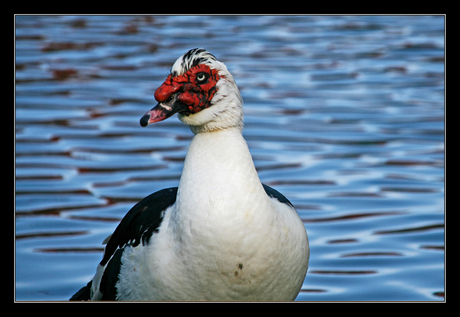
(170, 98)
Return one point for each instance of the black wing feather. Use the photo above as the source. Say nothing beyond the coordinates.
(83, 293)
(140, 222)
(137, 226)
(273, 193)
(110, 276)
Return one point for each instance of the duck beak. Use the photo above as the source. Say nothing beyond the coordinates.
(163, 110)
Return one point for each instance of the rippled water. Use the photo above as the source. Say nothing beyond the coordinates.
(344, 115)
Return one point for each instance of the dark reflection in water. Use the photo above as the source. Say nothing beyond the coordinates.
(343, 114)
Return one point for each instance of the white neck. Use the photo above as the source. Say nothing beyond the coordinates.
(219, 178)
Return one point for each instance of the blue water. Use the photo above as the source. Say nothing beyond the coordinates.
(343, 114)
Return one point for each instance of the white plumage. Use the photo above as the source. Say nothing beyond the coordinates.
(221, 235)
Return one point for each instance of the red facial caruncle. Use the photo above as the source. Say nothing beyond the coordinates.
(195, 88)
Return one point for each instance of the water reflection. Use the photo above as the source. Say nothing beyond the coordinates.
(344, 115)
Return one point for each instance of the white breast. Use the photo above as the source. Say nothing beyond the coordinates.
(225, 238)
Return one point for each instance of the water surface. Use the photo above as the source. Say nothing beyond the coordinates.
(343, 114)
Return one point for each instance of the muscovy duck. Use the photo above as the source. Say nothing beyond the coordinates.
(221, 235)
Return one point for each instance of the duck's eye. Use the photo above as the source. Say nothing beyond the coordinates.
(201, 78)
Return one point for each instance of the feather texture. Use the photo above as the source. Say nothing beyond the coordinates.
(221, 234)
